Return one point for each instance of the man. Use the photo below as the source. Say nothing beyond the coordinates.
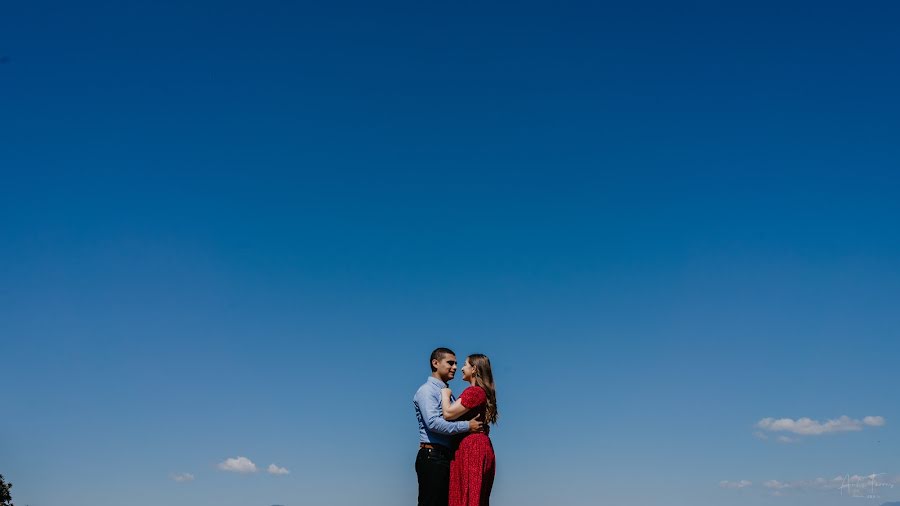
(435, 441)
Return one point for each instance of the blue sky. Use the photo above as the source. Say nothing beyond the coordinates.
(238, 230)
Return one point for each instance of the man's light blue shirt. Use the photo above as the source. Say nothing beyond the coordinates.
(432, 426)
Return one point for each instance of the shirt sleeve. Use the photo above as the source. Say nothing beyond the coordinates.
(473, 397)
(430, 407)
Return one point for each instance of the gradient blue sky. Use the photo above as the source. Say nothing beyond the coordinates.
(238, 229)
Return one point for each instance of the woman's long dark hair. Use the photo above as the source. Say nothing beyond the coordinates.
(485, 379)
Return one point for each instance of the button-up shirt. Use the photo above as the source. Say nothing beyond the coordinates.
(432, 426)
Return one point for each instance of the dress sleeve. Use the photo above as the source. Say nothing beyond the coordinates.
(472, 397)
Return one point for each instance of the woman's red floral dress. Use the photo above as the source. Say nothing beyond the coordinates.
(472, 468)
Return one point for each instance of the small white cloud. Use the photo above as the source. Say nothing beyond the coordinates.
(776, 485)
(785, 439)
(874, 421)
(735, 484)
(182, 477)
(238, 465)
(273, 469)
(809, 427)
(820, 483)
(760, 435)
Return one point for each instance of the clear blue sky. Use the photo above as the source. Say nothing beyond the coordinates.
(238, 229)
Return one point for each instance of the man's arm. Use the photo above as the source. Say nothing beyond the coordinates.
(430, 408)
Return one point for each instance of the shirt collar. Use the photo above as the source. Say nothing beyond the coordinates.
(432, 379)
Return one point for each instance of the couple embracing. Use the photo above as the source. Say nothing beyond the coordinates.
(455, 464)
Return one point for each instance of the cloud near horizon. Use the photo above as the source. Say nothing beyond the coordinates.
(182, 477)
(735, 484)
(779, 487)
(809, 427)
(238, 465)
(273, 469)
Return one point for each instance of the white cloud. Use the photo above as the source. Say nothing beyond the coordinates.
(856, 481)
(735, 484)
(874, 421)
(273, 469)
(847, 481)
(760, 435)
(809, 427)
(818, 483)
(182, 477)
(238, 465)
(785, 439)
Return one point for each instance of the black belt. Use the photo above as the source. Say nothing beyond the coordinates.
(432, 446)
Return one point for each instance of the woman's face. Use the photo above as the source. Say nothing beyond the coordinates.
(468, 370)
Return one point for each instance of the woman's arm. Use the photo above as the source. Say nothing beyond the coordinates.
(454, 410)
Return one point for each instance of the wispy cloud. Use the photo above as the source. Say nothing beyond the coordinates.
(809, 427)
(182, 477)
(735, 484)
(238, 465)
(849, 483)
(818, 483)
(273, 469)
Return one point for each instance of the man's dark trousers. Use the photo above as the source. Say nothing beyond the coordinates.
(433, 470)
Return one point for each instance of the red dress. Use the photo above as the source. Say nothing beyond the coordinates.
(472, 468)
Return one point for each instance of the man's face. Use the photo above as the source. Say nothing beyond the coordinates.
(446, 367)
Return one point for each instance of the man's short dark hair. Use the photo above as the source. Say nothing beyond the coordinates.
(439, 354)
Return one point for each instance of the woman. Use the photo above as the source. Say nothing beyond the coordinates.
(472, 467)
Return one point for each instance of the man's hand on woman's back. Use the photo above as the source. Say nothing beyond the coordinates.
(476, 425)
